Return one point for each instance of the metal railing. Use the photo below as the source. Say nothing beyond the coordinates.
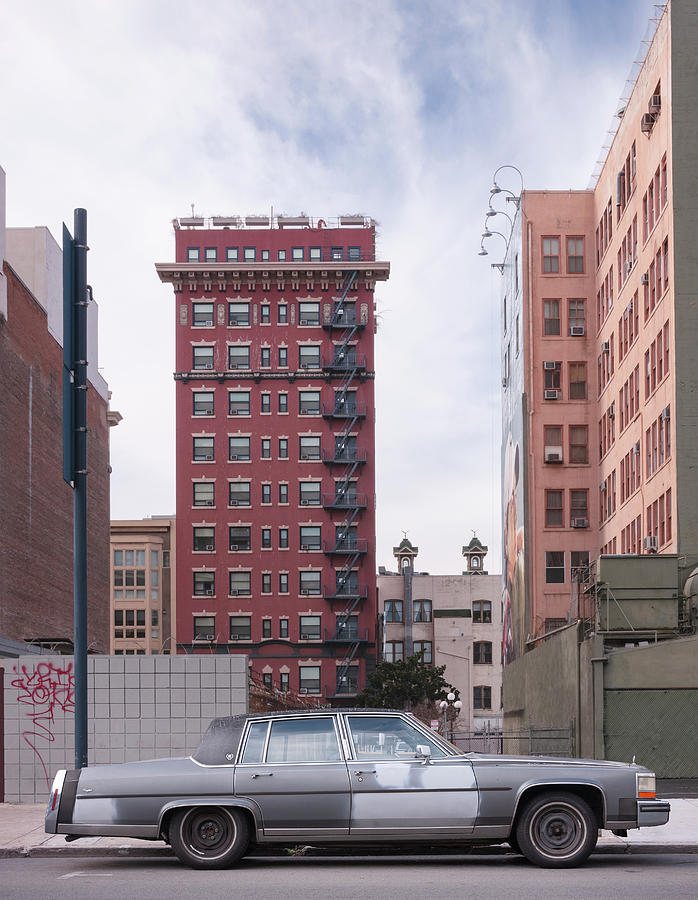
(524, 742)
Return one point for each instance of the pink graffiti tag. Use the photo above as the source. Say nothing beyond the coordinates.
(45, 689)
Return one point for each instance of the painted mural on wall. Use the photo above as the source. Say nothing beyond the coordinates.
(513, 545)
(43, 689)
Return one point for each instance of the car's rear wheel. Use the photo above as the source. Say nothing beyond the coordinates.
(209, 837)
(556, 831)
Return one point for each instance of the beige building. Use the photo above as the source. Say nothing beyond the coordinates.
(142, 594)
(455, 620)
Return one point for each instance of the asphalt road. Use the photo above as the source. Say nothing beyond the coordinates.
(610, 875)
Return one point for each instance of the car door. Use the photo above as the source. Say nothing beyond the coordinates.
(294, 770)
(395, 793)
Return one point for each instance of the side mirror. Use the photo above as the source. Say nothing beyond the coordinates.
(423, 753)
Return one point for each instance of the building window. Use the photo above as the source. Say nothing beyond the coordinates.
(482, 612)
(266, 589)
(203, 493)
(422, 610)
(266, 676)
(579, 443)
(265, 403)
(240, 583)
(266, 538)
(239, 538)
(282, 314)
(232, 254)
(551, 255)
(281, 255)
(204, 584)
(482, 653)
(551, 317)
(296, 254)
(579, 506)
(203, 403)
(238, 357)
(554, 567)
(283, 357)
(283, 538)
(553, 509)
(575, 255)
(579, 564)
(310, 628)
(204, 539)
(310, 537)
(202, 315)
(193, 254)
(264, 314)
(238, 449)
(551, 376)
(315, 254)
(203, 449)
(283, 492)
(578, 380)
(283, 633)
(266, 448)
(283, 582)
(204, 628)
(266, 633)
(309, 313)
(394, 651)
(482, 697)
(266, 256)
(239, 403)
(309, 403)
(310, 493)
(354, 253)
(309, 357)
(238, 314)
(393, 610)
(336, 253)
(309, 679)
(266, 493)
(265, 357)
(309, 447)
(283, 402)
(575, 317)
(240, 628)
(425, 648)
(202, 358)
(239, 493)
(249, 254)
(310, 583)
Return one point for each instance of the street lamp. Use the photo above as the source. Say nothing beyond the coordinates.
(450, 701)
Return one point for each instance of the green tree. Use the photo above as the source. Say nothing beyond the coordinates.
(405, 684)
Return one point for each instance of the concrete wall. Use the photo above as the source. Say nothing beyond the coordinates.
(139, 707)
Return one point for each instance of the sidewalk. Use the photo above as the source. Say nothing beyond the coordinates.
(22, 834)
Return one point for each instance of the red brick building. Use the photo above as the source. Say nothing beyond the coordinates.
(36, 505)
(275, 445)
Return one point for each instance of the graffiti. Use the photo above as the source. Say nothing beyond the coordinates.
(45, 688)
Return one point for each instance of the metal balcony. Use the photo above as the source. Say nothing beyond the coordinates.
(345, 319)
(345, 592)
(347, 635)
(344, 410)
(342, 457)
(344, 362)
(341, 690)
(349, 500)
(355, 545)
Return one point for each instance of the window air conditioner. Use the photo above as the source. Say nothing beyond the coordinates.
(208, 457)
(628, 266)
(645, 278)
(303, 690)
(209, 546)
(606, 347)
(208, 502)
(208, 365)
(666, 414)
(577, 330)
(580, 523)
(209, 592)
(233, 457)
(305, 546)
(304, 456)
(655, 103)
(650, 543)
(304, 322)
(553, 454)
(306, 637)
(549, 366)
(305, 591)
(551, 394)
(208, 322)
(647, 122)
(612, 411)
(602, 486)
(233, 547)
(210, 637)
(234, 637)
(305, 502)
(636, 448)
(233, 503)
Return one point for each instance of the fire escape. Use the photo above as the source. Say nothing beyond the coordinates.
(345, 370)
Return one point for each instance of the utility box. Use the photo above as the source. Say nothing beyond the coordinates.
(638, 593)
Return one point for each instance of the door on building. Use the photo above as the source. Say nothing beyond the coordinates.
(394, 793)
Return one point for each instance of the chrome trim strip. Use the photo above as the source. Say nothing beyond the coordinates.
(136, 831)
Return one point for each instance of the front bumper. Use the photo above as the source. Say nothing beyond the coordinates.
(652, 812)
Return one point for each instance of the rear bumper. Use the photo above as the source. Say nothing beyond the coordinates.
(652, 812)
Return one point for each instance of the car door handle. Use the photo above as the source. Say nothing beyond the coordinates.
(262, 774)
(364, 771)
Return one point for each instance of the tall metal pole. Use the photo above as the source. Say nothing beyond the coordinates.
(80, 302)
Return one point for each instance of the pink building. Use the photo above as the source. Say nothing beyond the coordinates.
(274, 376)
(600, 369)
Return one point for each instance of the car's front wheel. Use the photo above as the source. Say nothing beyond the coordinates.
(557, 830)
(209, 837)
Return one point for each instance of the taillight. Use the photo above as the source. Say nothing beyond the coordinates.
(647, 786)
(54, 800)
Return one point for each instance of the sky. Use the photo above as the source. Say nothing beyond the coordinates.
(397, 109)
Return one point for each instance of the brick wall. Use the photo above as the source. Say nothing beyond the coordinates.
(36, 506)
(139, 707)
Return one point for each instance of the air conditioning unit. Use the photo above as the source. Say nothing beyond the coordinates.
(305, 547)
(304, 456)
(577, 330)
(233, 503)
(209, 592)
(305, 365)
(210, 637)
(650, 543)
(208, 322)
(305, 591)
(636, 448)
(647, 122)
(235, 593)
(606, 347)
(602, 486)
(306, 637)
(234, 637)
(235, 412)
(233, 457)
(612, 411)
(580, 523)
(551, 394)
(645, 278)
(208, 457)
(553, 454)
(234, 547)
(209, 546)
(302, 690)
(304, 322)
(666, 414)
(208, 365)
(628, 266)
(305, 502)
(549, 366)
(655, 103)
(208, 502)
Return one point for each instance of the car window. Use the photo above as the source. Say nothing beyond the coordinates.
(254, 746)
(388, 737)
(303, 740)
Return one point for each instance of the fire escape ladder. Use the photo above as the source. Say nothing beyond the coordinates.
(343, 669)
(343, 533)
